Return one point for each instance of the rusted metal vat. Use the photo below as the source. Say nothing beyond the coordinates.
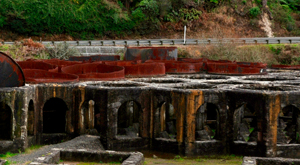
(36, 65)
(138, 69)
(252, 64)
(41, 76)
(58, 62)
(95, 72)
(180, 66)
(290, 67)
(11, 74)
(233, 69)
(151, 53)
(95, 58)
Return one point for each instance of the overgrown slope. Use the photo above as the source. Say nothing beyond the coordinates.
(113, 19)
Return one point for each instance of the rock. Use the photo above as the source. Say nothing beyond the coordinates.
(208, 130)
(164, 134)
(136, 127)
(130, 131)
(244, 131)
(170, 128)
(202, 135)
(253, 136)
(92, 132)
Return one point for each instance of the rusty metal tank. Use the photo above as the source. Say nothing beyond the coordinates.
(11, 74)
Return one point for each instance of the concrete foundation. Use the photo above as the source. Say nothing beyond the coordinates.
(193, 114)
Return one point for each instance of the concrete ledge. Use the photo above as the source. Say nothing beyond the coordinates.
(270, 161)
(2, 162)
(82, 155)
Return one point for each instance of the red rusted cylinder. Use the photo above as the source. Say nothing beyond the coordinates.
(192, 59)
(151, 53)
(95, 58)
(290, 67)
(180, 66)
(232, 69)
(95, 72)
(36, 65)
(11, 73)
(137, 69)
(252, 64)
(41, 76)
(58, 62)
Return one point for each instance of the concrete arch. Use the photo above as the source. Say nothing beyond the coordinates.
(6, 122)
(245, 123)
(30, 119)
(288, 125)
(165, 121)
(54, 116)
(129, 118)
(87, 115)
(207, 122)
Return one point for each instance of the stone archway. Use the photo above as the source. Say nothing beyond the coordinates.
(5, 122)
(288, 127)
(207, 122)
(129, 117)
(54, 116)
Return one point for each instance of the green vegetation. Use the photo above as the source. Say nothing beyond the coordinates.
(203, 160)
(7, 155)
(26, 49)
(88, 19)
(287, 54)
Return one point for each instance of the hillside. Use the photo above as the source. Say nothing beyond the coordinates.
(140, 19)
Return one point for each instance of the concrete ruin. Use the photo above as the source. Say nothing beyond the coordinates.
(189, 114)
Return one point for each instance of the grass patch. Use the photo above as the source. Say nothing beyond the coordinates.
(32, 149)
(288, 54)
(205, 160)
(8, 155)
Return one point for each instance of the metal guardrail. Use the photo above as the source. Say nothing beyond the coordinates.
(276, 40)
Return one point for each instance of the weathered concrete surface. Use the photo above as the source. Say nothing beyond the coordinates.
(237, 114)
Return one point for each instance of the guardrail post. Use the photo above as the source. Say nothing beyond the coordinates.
(90, 43)
(209, 42)
(2, 42)
(77, 42)
(52, 43)
(161, 42)
(255, 41)
(278, 41)
(102, 43)
(149, 42)
(290, 41)
(114, 43)
(138, 43)
(125, 43)
(267, 41)
(197, 42)
(232, 41)
(244, 41)
(173, 42)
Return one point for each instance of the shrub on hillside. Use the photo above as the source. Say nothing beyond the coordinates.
(63, 16)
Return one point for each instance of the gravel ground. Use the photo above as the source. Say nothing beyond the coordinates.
(81, 142)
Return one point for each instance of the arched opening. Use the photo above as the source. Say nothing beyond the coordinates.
(54, 116)
(165, 121)
(288, 125)
(30, 119)
(5, 122)
(245, 124)
(87, 116)
(129, 115)
(207, 122)
(87, 109)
